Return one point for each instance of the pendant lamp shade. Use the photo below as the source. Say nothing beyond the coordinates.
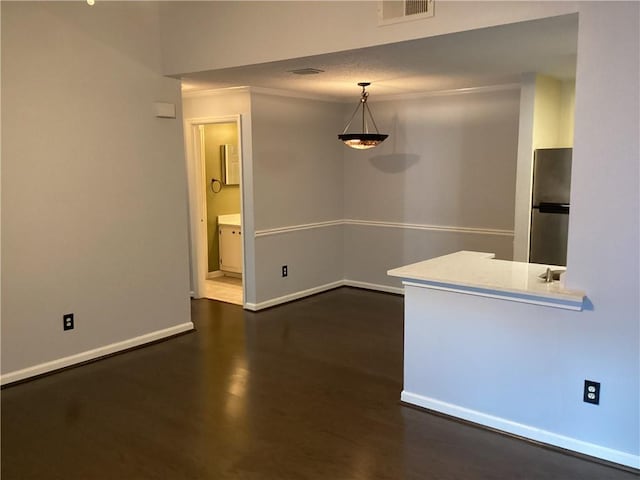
(365, 139)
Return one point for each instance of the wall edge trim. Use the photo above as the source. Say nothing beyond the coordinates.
(296, 94)
(322, 288)
(209, 92)
(93, 354)
(347, 100)
(433, 228)
(448, 92)
(295, 228)
(293, 296)
(522, 430)
(383, 224)
(374, 286)
(546, 300)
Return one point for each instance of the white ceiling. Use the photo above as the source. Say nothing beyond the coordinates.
(489, 56)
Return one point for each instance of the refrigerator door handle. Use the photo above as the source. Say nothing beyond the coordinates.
(553, 208)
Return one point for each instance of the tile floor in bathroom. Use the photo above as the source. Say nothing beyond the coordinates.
(224, 289)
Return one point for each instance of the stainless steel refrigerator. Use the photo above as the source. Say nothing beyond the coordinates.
(550, 206)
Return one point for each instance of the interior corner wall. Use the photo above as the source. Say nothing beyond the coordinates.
(546, 112)
(524, 169)
(93, 185)
(298, 195)
(443, 181)
(567, 112)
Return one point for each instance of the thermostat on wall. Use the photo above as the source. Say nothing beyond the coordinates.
(165, 110)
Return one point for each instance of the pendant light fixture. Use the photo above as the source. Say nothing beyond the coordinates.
(365, 139)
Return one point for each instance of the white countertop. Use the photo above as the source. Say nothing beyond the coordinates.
(232, 219)
(478, 273)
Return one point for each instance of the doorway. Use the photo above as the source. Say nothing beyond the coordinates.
(215, 198)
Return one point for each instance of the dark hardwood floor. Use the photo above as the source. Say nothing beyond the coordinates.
(308, 390)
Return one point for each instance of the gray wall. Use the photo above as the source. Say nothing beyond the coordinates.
(443, 181)
(93, 185)
(297, 175)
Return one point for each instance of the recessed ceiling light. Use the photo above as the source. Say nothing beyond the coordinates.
(306, 71)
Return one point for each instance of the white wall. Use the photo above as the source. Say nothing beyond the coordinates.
(525, 365)
(255, 32)
(604, 242)
(93, 185)
(297, 170)
(444, 179)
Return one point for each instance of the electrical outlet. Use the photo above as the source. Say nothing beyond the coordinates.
(67, 321)
(591, 392)
(285, 271)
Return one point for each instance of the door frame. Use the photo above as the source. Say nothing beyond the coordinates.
(197, 196)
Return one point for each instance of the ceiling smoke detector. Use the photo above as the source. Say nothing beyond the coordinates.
(306, 71)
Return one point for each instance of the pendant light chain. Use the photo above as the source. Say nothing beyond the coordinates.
(365, 106)
(363, 101)
(371, 117)
(364, 139)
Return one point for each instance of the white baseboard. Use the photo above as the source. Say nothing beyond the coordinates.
(293, 296)
(215, 274)
(322, 288)
(232, 274)
(93, 354)
(374, 286)
(522, 430)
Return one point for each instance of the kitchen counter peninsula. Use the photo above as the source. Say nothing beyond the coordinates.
(479, 334)
(478, 273)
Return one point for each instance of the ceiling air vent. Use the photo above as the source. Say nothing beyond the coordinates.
(395, 11)
(414, 7)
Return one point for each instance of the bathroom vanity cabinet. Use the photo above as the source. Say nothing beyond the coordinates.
(230, 242)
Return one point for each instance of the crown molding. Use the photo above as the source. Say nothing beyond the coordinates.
(449, 92)
(332, 99)
(293, 94)
(214, 91)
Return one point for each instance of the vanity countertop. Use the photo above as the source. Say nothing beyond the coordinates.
(479, 273)
(232, 219)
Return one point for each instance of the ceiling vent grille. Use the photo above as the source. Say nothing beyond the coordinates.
(414, 7)
(396, 11)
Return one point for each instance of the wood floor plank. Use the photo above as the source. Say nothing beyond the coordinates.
(307, 390)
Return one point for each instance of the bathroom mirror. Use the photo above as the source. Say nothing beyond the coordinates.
(230, 164)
